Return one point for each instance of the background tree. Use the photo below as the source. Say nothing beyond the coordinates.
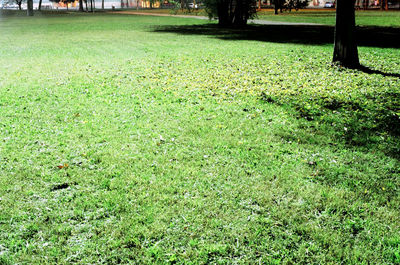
(289, 5)
(30, 8)
(231, 12)
(278, 5)
(345, 51)
(80, 5)
(19, 3)
(295, 4)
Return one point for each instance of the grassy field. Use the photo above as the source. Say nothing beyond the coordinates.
(363, 18)
(122, 141)
(318, 16)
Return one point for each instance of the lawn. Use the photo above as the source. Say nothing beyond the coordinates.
(319, 16)
(363, 18)
(123, 141)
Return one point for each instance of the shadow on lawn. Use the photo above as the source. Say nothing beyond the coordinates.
(368, 70)
(384, 37)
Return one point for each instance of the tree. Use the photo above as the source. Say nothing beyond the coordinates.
(295, 4)
(289, 5)
(19, 3)
(30, 8)
(278, 4)
(345, 51)
(231, 12)
(80, 5)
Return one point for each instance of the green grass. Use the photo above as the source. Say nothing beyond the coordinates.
(318, 16)
(121, 144)
(363, 18)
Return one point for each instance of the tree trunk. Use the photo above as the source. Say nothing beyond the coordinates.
(240, 14)
(223, 14)
(80, 5)
(30, 8)
(345, 51)
(102, 4)
(40, 5)
(19, 5)
(276, 6)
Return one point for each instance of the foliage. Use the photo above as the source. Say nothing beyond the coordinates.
(295, 4)
(231, 12)
(135, 146)
(289, 4)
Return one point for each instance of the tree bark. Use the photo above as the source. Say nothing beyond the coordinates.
(80, 5)
(223, 14)
(30, 8)
(102, 4)
(40, 5)
(240, 13)
(345, 51)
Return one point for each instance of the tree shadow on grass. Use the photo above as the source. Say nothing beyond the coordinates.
(383, 37)
(368, 70)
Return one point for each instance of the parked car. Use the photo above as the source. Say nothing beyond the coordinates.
(10, 6)
(329, 5)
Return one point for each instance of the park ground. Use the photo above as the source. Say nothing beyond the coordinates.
(143, 140)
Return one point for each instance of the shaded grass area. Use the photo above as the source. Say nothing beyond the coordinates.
(133, 145)
(384, 37)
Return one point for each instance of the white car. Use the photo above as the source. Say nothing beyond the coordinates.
(329, 5)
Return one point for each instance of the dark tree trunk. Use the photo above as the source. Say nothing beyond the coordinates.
(30, 8)
(276, 6)
(19, 5)
(40, 5)
(234, 12)
(345, 50)
(80, 5)
(102, 4)
(240, 13)
(223, 14)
